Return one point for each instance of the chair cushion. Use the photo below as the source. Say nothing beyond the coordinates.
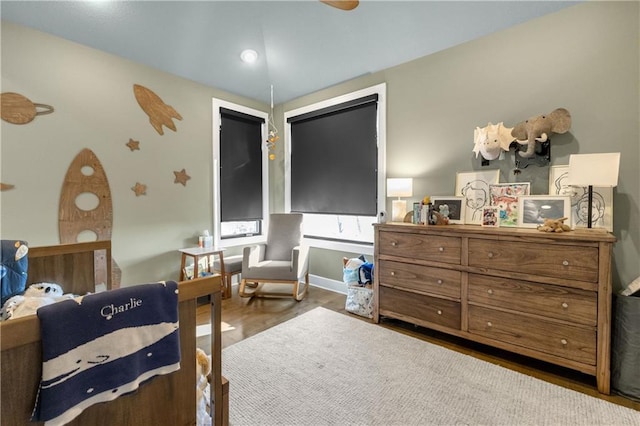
(285, 233)
(231, 264)
(271, 269)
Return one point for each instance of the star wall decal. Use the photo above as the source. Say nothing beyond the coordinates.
(133, 145)
(181, 177)
(139, 189)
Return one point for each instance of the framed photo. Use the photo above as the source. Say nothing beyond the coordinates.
(602, 202)
(505, 196)
(534, 209)
(491, 216)
(452, 207)
(474, 187)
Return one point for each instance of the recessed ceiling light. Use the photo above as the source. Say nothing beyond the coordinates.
(249, 56)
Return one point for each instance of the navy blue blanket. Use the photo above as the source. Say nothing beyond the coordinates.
(104, 347)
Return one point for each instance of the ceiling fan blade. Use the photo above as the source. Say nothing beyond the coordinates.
(342, 4)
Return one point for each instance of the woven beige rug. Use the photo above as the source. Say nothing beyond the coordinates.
(326, 368)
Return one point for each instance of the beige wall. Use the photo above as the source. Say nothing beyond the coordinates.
(92, 93)
(584, 58)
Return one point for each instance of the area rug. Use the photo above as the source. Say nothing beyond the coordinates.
(327, 368)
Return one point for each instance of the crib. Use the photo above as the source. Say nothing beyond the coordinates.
(164, 400)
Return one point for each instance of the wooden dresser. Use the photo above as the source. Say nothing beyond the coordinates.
(543, 295)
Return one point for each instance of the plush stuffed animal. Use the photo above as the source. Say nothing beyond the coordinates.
(554, 225)
(539, 129)
(203, 369)
(34, 297)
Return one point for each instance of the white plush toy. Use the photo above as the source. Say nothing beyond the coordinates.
(491, 140)
(35, 296)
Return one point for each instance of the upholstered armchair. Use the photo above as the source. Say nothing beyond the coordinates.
(282, 260)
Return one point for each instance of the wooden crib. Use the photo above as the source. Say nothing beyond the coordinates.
(164, 400)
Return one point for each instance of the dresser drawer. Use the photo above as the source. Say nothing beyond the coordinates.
(431, 309)
(417, 246)
(550, 260)
(552, 301)
(570, 342)
(443, 282)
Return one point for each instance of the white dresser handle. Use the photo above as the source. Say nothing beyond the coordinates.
(565, 305)
(393, 273)
(440, 248)
(489, 324)
(439, 312)
(490, 255)
(439, 281)
(490, 291)
(565, 262)
(393, 243)
(563, 341)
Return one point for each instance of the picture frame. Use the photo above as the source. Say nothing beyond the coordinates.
(534, 209)
(505, 197)
(491, 216)
(602, 202)
(474, 187)
(455, 206)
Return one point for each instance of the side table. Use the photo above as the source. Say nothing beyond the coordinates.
(198, 252)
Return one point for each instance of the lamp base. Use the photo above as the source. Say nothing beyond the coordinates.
(399, 210)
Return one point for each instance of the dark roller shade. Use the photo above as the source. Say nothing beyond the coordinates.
(240, 166)
(334, 158)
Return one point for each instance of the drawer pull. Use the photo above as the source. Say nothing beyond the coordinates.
(490, 291)
(440, 248)
(490, 255)
(563, 341)
(439, 312)
(565, 262)
(393, 243)
(393, 273)
(489, 324)
(565, 305)
(439, 281)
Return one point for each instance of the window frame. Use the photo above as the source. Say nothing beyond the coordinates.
(380, 90)
(216, 123)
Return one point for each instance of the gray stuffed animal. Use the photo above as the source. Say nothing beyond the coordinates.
(540, 128)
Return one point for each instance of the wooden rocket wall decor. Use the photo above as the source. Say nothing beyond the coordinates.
(17, 109)
(160, 114)
(86, 175)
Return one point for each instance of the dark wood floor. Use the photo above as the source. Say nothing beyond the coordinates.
(251, 316)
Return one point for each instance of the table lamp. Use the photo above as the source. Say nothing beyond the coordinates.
(399, 187)
(593, 170)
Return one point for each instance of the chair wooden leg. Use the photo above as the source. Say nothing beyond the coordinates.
(241, 292)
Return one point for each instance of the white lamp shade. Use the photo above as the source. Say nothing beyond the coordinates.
(594, 169)
(399, 187)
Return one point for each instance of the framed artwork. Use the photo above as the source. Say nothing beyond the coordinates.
(474, 187)
(491, 216)
(602, 202)
(450, 206)
(505, 196)
(534, 209)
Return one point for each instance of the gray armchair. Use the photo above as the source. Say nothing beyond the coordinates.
(282, 260)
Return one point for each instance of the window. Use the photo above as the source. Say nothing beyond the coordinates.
(240, 178)
(334, 167)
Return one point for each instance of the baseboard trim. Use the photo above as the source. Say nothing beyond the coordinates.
(322, 282)
(327, 284)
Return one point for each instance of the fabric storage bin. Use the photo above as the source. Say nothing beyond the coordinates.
(625, 348)
(359, 301)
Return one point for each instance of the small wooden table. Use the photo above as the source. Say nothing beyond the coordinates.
(196, 253)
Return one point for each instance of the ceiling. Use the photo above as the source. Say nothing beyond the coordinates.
(303, 46)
